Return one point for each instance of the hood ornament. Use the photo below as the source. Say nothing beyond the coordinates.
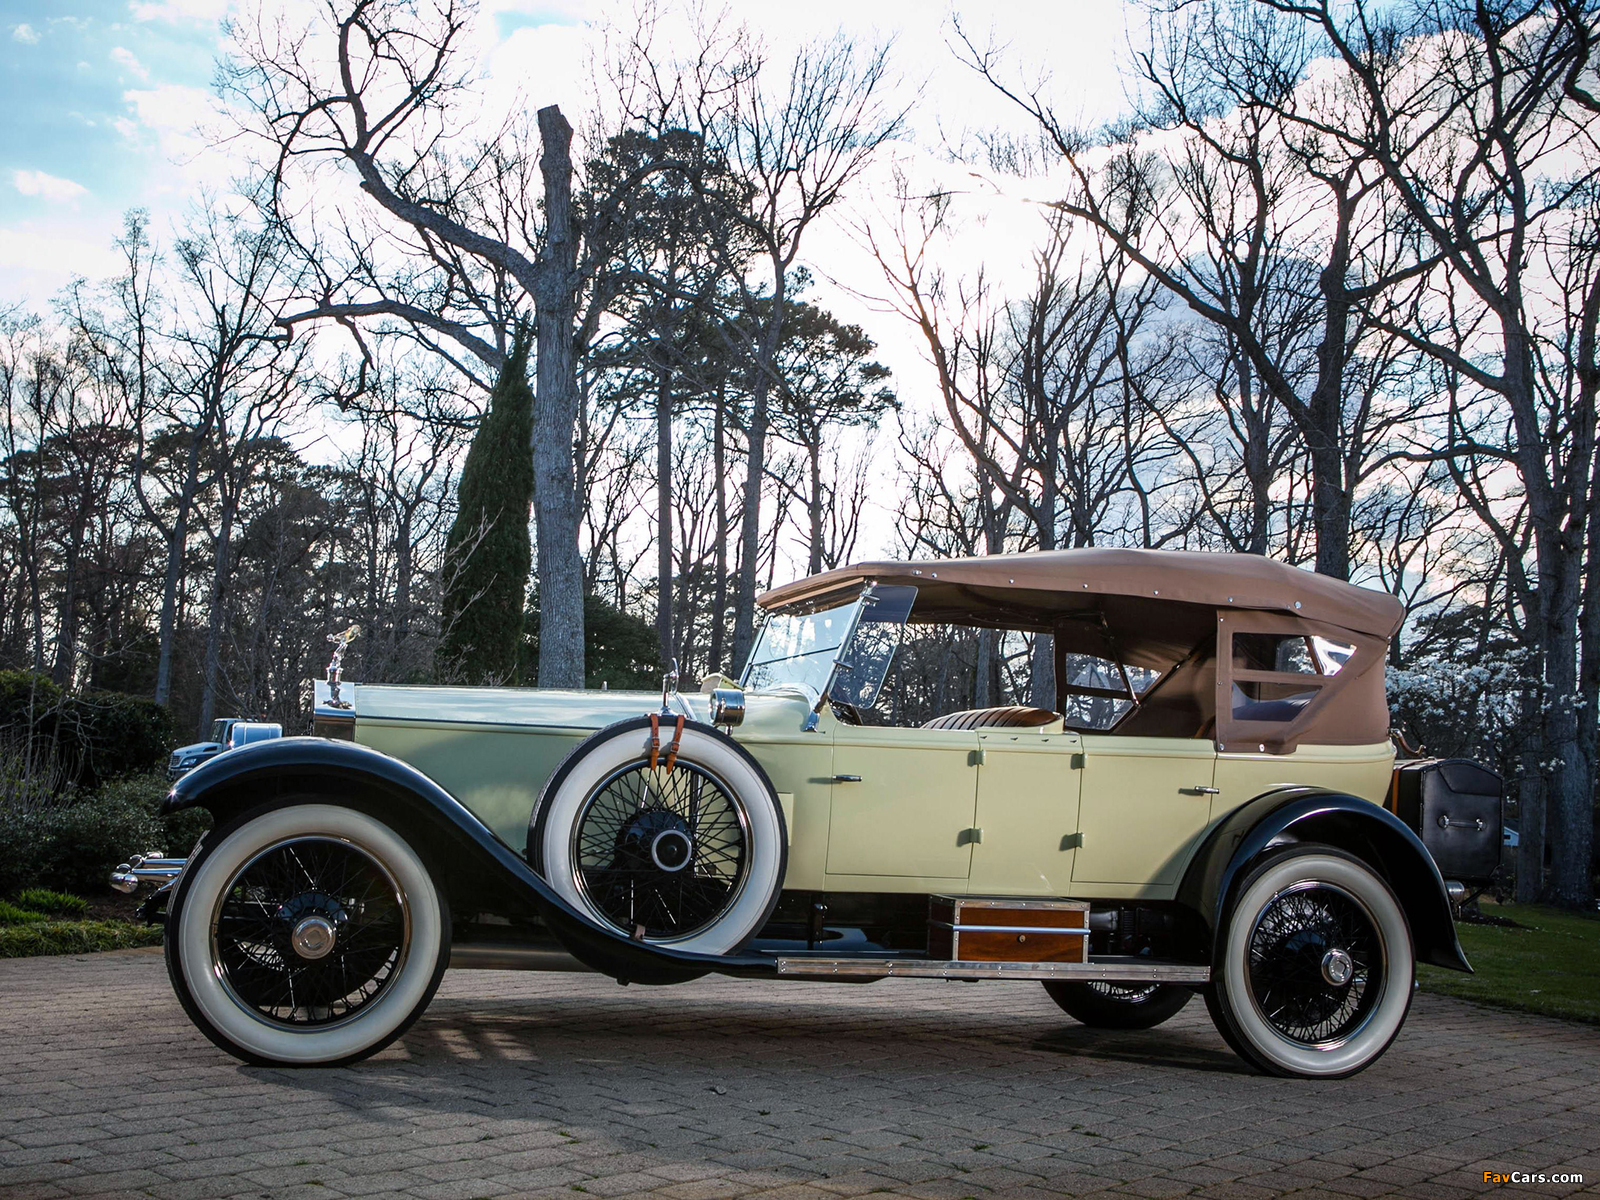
(341, 643)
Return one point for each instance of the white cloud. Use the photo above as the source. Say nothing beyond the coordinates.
(25, 33)
(47, 187)
(176, 11)
(127, 60)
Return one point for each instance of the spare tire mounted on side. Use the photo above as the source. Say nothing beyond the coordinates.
(687, 850)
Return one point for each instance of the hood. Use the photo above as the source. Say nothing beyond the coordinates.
(777, 711)
(198, 748)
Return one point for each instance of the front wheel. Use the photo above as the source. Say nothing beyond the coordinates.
(307, 935)
(1118, 1005)
(1314, 973)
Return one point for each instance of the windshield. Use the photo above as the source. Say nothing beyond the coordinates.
(843, 651)
(219, 730)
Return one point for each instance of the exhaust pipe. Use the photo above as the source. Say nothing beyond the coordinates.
(153, 867)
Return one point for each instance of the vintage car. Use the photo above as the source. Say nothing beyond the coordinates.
(1202, 810)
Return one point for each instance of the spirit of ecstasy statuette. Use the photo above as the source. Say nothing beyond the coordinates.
(341, 643)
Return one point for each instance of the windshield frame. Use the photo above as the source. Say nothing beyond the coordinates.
(855, 610)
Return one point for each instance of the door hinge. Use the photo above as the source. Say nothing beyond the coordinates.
(1075, 763)
(1072, 841)
(975, 759)
(969, 837)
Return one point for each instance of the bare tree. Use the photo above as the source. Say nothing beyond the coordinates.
(456, 244)
(1475, 117)
(796, 147)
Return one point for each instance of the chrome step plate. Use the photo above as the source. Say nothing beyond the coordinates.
(904, 968)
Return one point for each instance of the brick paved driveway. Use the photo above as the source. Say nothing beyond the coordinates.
(570, 1085)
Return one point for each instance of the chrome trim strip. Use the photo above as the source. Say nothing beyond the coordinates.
(978, 902)
(1078, 929)
(886, 968)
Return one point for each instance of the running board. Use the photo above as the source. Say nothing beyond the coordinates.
(1104, 971)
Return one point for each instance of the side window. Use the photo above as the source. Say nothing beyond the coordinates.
(1288, 657)
(1281, 653)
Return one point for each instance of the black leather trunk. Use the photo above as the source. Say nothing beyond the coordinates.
(1455, 807)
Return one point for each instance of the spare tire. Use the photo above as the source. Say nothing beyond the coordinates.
(692, 857)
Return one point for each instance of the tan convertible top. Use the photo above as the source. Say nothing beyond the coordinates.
(1174, 612)
(1039, 588)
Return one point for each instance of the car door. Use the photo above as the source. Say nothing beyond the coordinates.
(1145, 800)
(903, 807)
(1027, 823)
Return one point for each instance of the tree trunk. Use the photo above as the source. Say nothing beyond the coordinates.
(719, 581)
(175, 554)
(664, 511)
(555, 417)
(1042, 686)
(213, 658)
(814, 503)
(1330, 498)
(744, 613)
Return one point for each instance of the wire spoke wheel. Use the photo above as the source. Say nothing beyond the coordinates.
(1126, 993)
(309, 932)
(1315, 964)
(661, 854)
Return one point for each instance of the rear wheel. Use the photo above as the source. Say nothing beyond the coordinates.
(691, 858)
(307, 935)
(1315, 969)
(1118, 1005)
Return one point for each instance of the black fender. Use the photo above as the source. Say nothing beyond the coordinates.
(1360, 827)
(477, 870)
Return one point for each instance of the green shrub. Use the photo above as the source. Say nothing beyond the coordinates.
(74, 846)
(93, 737)
(55, 904)
(123, 735)
(179, 832)
(74, 937)
(15, 914)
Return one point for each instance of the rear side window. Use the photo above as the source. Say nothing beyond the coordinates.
(1279, 653)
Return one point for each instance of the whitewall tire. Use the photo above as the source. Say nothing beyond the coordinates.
(691, 858)
(1315, 969)
(307, 935)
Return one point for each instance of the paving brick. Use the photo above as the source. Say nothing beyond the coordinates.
(533, 1085)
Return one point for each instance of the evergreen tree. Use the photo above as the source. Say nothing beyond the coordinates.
(488, 554)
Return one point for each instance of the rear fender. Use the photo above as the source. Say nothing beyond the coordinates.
(1359, 827)
(479, 872)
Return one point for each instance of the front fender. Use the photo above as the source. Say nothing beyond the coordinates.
(1306, 814)
(480, 872)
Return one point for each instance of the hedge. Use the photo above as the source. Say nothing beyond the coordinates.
(93, 736)
(74, 844)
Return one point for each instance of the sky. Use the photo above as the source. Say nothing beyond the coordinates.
(111, 105)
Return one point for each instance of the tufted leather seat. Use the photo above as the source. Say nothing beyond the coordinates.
(1004, 716)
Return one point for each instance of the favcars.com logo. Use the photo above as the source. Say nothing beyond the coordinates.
(1530, 1177)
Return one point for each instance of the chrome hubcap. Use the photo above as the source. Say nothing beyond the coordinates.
(671, 850)
(1337, 967)
(313, 938)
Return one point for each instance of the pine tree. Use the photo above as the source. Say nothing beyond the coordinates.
(488, 554)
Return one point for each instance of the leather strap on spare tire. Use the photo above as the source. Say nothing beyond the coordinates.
(655, 741)
(678, 833)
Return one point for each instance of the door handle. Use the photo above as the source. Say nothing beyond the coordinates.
(847, 779)
(1200, 789)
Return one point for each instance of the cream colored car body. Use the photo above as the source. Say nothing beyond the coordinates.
(1017, 812)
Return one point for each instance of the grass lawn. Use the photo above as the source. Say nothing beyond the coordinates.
(45, 922)
(1550, 966)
